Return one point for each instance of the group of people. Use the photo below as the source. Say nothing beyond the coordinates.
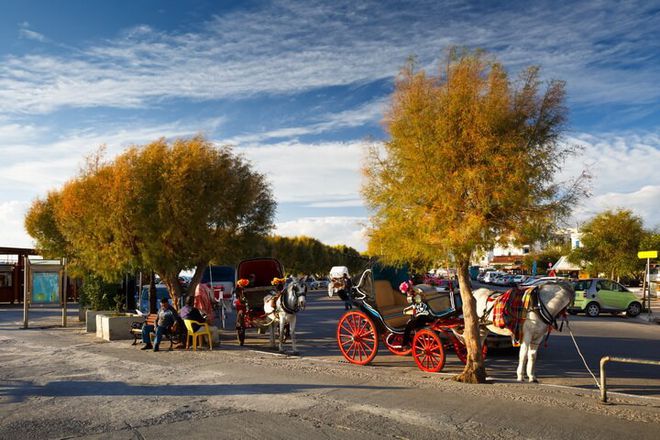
(168, 320)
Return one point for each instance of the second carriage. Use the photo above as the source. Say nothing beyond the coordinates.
(249, 299)
(380, 315)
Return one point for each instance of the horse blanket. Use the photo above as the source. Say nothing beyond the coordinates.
(510, 312)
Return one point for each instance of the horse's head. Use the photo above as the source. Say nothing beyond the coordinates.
(556, 295)
(295, 296)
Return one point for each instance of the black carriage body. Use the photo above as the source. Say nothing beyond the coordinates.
(377, 294)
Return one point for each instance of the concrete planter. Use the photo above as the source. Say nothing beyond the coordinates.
(116, 326)
(90, 319)
(82, 314)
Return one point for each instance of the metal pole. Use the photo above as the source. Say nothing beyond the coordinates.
(606, 359)
(603, 379)
(648, 286)
(65, 282)
(26, 296)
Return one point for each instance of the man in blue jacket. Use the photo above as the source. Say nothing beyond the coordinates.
(165, 320)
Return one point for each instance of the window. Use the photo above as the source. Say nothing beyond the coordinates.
(582, 285)
(606, 285)
(5, 279)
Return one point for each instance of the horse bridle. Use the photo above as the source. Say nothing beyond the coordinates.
(297, 294)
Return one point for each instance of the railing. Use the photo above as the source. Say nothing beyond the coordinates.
(603, 379)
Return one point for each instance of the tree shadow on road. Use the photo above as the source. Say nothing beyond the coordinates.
(17, 391)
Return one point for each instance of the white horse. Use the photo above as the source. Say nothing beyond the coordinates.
(546, 304)
(282, 308)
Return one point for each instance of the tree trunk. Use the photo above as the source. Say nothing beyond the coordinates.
(174, 287)
(474, 371)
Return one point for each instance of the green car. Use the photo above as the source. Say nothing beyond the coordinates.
(595, 295)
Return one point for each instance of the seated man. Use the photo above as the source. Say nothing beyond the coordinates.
(190, 312)
(166, 319)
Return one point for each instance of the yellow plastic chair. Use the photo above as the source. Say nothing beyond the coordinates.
(203, 330)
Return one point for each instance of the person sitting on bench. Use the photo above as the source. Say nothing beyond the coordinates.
(165, 320)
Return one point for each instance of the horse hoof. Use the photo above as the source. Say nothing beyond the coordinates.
(535, 380)
(520, 379)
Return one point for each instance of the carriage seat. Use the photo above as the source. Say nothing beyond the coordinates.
(390, 304)
(438, 302)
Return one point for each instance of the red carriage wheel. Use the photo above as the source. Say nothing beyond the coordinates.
(427, 351)
(394, 343)
(357, 337)
(461, 350)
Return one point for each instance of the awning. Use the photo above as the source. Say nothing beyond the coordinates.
(563, 265)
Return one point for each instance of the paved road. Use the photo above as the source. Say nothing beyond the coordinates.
(62, 383)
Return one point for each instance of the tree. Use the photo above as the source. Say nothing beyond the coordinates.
(610, 242)
(470, 161)
(163, 207)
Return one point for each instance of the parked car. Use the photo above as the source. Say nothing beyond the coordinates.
(489, 278)
(531, 282)
(519, 279)
(161, 292)
(320, 284)
(595, 295)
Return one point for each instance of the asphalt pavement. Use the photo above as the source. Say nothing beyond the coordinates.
(64, 383)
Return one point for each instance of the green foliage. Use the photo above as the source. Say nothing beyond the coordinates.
(98, 294)
(305, 255)
(610, 242)
(163, 207)
(471, 160)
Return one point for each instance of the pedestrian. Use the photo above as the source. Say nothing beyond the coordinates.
(204, 302)
(345, 292)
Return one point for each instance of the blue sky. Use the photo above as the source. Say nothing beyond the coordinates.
(300, 89)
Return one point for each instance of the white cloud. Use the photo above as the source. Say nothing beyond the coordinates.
(350, 231)
(624, 169)
(293, 47)
(24, 31)
(12, 232)
(33, 165)
(366, 113)
(326, 172)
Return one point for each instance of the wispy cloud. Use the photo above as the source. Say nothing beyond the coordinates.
(603, 49)
(24, 31)
(363, 114)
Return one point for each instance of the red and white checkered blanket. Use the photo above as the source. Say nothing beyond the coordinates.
(510, 312)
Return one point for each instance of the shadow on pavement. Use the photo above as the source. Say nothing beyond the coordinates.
(19, 390)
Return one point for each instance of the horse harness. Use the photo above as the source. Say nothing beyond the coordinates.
(290, 299)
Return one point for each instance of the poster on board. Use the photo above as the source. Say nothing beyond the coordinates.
(45, 288)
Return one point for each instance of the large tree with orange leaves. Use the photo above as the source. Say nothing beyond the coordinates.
(471, 160)
(165, 206)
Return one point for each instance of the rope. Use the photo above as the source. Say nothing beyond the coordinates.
(580, 353)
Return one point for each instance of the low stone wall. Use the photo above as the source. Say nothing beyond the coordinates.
(114, 327)
(90, 319)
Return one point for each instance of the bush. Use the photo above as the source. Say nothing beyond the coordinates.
(97, 294)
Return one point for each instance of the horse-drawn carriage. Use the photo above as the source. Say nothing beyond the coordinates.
(249, 301)
(383, 314)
